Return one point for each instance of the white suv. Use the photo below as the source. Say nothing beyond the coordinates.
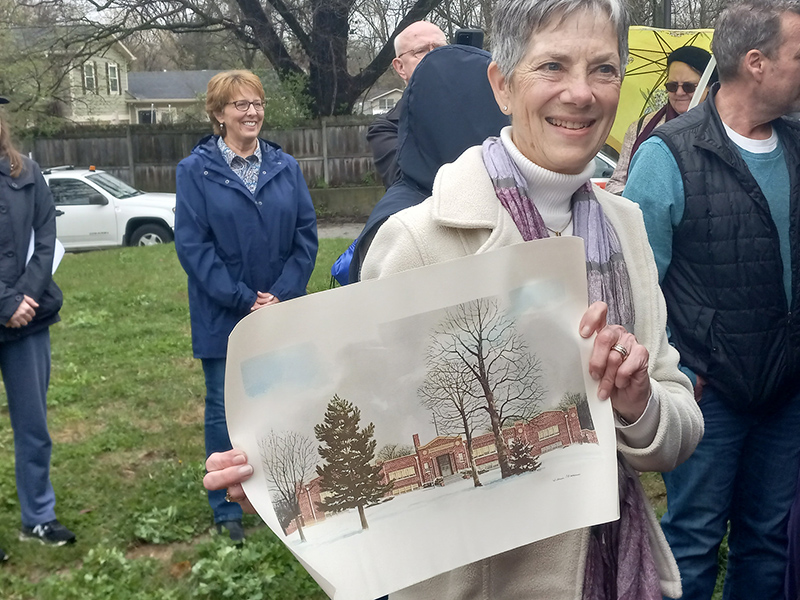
(96, 210)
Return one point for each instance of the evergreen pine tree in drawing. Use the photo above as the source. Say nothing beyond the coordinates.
(521, 458)
(349, 479)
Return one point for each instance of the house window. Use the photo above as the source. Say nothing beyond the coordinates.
(484, 450)
(89, 78)
(402, 473)
(548, 433)
(386, 104)
(113, 79)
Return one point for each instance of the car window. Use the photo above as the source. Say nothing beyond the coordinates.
(115, 187)
(71, 191)
(602, 169)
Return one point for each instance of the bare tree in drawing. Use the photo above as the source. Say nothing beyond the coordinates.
(506, 378)
(390, 451)
(288, 460)
(448, 392)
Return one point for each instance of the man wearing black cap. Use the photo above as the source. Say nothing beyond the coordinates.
(719, 188)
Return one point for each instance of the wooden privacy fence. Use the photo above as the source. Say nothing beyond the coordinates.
(331, 152)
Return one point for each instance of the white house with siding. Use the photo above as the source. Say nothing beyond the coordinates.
(98, 87)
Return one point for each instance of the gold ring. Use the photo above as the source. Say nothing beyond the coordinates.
(228, 497)
(622, 350)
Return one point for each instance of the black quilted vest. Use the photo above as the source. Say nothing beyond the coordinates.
(727, 310)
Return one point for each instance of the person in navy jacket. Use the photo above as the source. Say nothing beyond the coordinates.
(246, 235)
(29, 305)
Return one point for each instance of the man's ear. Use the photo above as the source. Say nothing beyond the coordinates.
(500, 87)
(754, 64)
(400, 68)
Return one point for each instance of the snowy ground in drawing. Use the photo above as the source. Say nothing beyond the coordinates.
(448, 520)
(372, 344)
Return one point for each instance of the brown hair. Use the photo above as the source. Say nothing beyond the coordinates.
(8, 151)
(221, 88)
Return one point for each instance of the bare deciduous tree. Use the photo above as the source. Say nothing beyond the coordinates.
(506, 378)
(288, 460)
(449, 392)
(390, 451)
(300, 39)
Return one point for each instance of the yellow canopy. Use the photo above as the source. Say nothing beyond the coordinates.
(643, 86)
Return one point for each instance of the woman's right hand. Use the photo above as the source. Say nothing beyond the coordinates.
(24, 314)
(228, 470)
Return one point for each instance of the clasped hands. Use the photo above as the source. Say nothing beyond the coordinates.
(622, 376)
(24, 314)
(264, 299)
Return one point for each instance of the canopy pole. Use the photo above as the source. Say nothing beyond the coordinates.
(703, 84)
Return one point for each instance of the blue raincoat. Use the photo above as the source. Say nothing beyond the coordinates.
(233, 243)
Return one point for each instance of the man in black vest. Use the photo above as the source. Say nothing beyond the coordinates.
(720, 191)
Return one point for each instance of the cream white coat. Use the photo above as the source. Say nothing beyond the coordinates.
(463, 217)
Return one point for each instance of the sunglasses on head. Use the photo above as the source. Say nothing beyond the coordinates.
(688, 88)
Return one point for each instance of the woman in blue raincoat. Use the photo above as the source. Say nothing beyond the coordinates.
(246, 235)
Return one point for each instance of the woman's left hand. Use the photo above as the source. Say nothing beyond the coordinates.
(623, 376)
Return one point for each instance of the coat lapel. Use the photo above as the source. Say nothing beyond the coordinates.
(464, 199)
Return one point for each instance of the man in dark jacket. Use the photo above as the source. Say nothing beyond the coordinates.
(720, 191)
(410, 47)
(450, 107)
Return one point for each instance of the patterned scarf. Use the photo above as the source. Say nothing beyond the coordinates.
(619, 563)
(606, 273)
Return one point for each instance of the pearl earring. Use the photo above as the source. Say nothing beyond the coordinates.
(505, 108)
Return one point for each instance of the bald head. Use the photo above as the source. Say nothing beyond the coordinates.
(412, 44)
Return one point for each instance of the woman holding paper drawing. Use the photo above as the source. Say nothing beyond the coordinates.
(557, 72)
(29, 304)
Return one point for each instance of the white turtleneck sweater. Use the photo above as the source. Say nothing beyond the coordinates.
(552, 192)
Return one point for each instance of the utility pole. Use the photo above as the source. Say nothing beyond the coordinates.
(667, 14)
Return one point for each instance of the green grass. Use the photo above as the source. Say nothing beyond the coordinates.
(126, 417)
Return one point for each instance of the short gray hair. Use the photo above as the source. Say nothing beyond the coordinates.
(515, 22)
(745, 26)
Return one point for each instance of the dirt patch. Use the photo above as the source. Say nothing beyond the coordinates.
(163, 552)
(74, 431)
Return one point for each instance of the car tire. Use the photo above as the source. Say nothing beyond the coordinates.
(150, 235)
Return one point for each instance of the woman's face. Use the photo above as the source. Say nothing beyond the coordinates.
(680, 72)
(241, 127)
(563, 95)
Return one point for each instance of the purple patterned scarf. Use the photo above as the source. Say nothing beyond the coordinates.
(606, 273)
(619, 563)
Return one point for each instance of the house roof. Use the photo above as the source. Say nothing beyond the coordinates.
(386, 93)
(168, 85)
(81, 40)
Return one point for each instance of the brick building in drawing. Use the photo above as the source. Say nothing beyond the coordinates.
(447, 455)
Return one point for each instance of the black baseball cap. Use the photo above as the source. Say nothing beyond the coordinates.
(3, 100)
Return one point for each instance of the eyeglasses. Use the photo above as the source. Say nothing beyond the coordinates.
(673, 86)
(244, 105)
(421, 51)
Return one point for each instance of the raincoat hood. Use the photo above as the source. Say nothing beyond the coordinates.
(449, 107)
